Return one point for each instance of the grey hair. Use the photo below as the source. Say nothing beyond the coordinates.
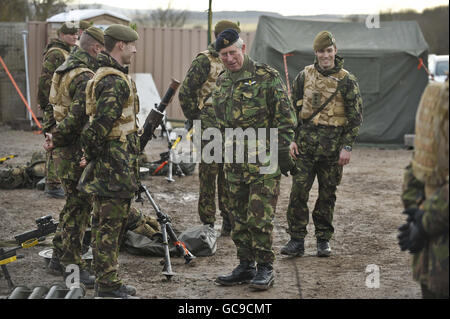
(239, 43)
(86, 41)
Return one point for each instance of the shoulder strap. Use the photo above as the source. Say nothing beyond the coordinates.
(340, 85)
(63, 52)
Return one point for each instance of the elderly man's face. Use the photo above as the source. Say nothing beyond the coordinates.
(232, 57)
(325, 57)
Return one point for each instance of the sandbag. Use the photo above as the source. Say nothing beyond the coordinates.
(138, 244)
(201, 240)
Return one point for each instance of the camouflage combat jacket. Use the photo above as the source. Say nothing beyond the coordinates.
(252, 98)
(324, 140)
(190, 91)
(52, 60)
(66, 135)
(430, 266)
(113, 169)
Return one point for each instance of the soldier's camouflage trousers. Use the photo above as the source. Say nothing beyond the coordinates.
(74, 218)
(208, 174)
(51, 177)
(329, 175)
(252, 213)
(109, 222)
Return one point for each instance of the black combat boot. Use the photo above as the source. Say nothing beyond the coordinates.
(243, 273)
(264, 277)
(295, 247)
(323, 248)
(55, 192)
(226, 227)
(54, 267)
(87, 279)
(123, 292)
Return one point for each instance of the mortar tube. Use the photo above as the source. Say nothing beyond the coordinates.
(76, 292)
(56, 291)
(20, 292)
(38, 292)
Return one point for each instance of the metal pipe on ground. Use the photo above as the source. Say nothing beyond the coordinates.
(20, 292)
(38, 292)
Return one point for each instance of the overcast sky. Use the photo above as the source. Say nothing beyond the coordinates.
(284, 7)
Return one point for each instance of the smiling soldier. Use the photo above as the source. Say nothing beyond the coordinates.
(329, 105)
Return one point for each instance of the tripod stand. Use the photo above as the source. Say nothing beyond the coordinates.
(167, 233)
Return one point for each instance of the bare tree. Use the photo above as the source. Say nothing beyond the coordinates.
(43, 9)
(168, 17)
(14, 10)
(434, 23)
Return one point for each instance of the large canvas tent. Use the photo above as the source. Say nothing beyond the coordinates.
(385, 60)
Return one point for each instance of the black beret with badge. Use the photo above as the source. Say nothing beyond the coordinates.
(226, 38)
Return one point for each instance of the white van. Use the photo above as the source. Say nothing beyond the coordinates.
(438, 67)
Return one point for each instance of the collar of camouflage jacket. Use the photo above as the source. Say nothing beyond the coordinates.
(57, 43)
(78, 58)
(105, 60)
(338, 65)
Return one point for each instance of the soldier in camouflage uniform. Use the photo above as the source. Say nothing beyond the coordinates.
(111, 146)
(196, 103)
(68, 97)
(23, 176)
(425, 195)
(55, 54)
(251, 95)
(323, 142)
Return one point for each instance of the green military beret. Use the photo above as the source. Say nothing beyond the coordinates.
(323, 40)
(96, 33)
(68, 28)
(225, 24)
(122, 33)
(85, 24)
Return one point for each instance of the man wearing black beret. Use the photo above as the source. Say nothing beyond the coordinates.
(252, 97)
(196, 102)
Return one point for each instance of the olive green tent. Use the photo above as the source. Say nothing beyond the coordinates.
(385, 60)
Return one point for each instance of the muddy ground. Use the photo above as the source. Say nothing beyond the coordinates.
(368, 212)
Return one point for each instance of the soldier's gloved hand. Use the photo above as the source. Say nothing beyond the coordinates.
(286, 162)
(412, 235)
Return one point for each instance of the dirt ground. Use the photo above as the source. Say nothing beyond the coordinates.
(368, 212)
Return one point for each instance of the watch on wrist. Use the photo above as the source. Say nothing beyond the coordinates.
(348, 148)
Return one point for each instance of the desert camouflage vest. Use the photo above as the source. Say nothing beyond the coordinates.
(431, 145)
(204, 95)
(64, 52)
(127, 122)
(59, 92)
(317, 89)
